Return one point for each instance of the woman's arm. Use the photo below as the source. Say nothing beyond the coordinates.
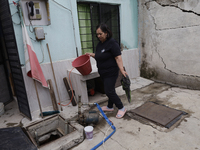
(91, 54)
(120, 65)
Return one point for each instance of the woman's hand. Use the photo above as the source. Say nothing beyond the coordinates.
(91, 54)
(124, 73)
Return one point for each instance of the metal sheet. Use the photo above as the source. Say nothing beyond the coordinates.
(15, 138)
(13, 58)
(157, 113)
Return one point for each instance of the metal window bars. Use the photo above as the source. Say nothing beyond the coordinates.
(90, 15)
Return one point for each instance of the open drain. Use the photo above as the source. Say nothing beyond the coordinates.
(158, 114)
(55, 133)
(48, 137)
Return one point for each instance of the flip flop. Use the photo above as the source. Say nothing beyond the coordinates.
(104, 108)
(120, 114)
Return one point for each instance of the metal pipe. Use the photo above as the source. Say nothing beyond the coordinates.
(74, 30)
(72, 22)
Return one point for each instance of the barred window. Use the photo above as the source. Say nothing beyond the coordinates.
(89, 16)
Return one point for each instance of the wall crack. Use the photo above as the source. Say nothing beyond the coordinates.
(187, 11)
(170, 5)
(181, 18)
(182, 27)
(161, 58)
(173, 4)
(165, 67)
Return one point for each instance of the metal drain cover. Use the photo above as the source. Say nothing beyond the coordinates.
(159, 114)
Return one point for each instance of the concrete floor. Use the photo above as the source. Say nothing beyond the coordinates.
(136, 134)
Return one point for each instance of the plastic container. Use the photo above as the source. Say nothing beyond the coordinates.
(82, 64)
(89, 132)
(1, 109)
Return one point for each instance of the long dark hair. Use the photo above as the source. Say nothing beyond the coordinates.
(105, 29)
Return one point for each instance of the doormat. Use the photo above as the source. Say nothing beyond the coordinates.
(159, 114)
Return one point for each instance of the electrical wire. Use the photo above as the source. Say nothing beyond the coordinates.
(30, 25)
(17, 23)
(42, 50)
(109, 122)
(17, 5)
(72, 22)
(61, 5)
(105, 137)
(13, 21)
(33, 39)
(106, 131)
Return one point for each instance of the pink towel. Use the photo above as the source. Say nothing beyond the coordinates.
(33, 68)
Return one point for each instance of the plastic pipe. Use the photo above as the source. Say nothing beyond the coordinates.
(113, 127)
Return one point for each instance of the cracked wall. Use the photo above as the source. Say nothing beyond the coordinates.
(169, 42)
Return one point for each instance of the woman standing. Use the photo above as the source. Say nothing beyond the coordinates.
(109, 62)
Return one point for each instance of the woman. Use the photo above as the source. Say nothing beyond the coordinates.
(109, 62)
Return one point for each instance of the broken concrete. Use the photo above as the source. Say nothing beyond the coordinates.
(170, 17)
(169, 43)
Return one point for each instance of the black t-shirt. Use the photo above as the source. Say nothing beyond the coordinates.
(105, 56)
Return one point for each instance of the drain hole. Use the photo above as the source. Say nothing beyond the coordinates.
(49, 130)
(48, 137)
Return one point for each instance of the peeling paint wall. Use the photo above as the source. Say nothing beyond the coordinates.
(169, 41)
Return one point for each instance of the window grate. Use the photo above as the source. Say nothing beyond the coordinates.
(90, 15)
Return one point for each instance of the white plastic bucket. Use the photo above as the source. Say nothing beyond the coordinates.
(1, 109)
(89, 132)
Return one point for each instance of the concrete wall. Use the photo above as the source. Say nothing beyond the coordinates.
(169, 41)
(62, 36)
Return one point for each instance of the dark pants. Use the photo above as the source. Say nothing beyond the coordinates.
(109, 88)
